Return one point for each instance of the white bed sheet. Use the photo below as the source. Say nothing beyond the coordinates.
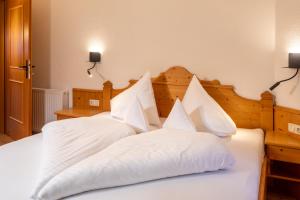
(20, 162)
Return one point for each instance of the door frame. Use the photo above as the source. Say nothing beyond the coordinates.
(2, 66)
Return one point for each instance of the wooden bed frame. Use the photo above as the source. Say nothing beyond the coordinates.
(172, 84)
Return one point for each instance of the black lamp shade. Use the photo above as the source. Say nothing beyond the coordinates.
(95, 57)
(294, 60)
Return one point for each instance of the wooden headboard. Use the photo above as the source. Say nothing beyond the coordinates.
(173, 83)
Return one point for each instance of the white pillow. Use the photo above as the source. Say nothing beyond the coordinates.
(144, 92)
(136, 117)
(179, 119)
(205, 112)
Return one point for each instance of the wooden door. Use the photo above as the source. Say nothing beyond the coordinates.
(2, 66)
(18, 87)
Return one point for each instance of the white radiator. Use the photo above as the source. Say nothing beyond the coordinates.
(45, 102)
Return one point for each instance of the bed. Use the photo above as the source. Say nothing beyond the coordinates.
(245, 181)
(240, 183)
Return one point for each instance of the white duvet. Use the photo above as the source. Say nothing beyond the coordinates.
(67, 142)
(155, 155)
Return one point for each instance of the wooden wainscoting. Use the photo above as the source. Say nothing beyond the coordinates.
(283, 116)
(81, 104)
(81, 99)
(1, 66)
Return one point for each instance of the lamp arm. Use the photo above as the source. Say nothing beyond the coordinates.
(279, 82)
(291, 77)
(92, 66)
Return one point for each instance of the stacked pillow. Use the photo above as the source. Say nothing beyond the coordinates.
(197, 112)
(136, 105)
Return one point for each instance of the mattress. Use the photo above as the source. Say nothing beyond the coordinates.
(20, 162)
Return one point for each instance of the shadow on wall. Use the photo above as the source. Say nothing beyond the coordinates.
(41, 29)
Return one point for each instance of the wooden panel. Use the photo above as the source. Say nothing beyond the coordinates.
(173, 83)
(284, 154)
(75, 112)
(15, 109)
(62, 117)
(4, 139)
(81, 98)
(263, 181)
(1, 66)
(15, 76)
(283, 116)
(281, 139)
(16, 26)
(18, 86)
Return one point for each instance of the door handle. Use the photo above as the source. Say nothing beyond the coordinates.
(27, 68)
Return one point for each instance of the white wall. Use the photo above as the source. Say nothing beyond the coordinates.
(41, 42)
(231, 40)
(287, 39)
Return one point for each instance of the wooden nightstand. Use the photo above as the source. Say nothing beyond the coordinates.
(75, 113)
(283, 155)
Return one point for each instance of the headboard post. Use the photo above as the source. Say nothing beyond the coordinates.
(267, 115)
(107, 95)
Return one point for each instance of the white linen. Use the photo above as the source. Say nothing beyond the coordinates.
(150, 156)
(206, 113)
(19, 162)
(108, 115)
(69, 141)
(144, 92)
(136, 117)
(178, 119)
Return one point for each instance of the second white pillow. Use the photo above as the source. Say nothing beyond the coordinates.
(179, 119)
(144, 92)
(136, 117)
(206, 113)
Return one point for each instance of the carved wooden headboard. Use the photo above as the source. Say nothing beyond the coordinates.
(173, 83)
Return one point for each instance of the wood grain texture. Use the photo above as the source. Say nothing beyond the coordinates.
(1, 66)
(75, 112)
(263, 181)
(4, 139)
(173, 83)
(81, 98)
(283, 159)
(283, 116)
(18, 88)
(107, 95)
(284, 154)
(281, 140)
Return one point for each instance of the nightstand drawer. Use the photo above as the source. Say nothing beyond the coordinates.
(284, 154)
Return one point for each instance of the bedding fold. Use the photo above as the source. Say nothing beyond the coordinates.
(154, 155)
(67, 142)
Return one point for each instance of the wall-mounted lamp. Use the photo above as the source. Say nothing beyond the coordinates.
(294, 63)
(95, 57)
